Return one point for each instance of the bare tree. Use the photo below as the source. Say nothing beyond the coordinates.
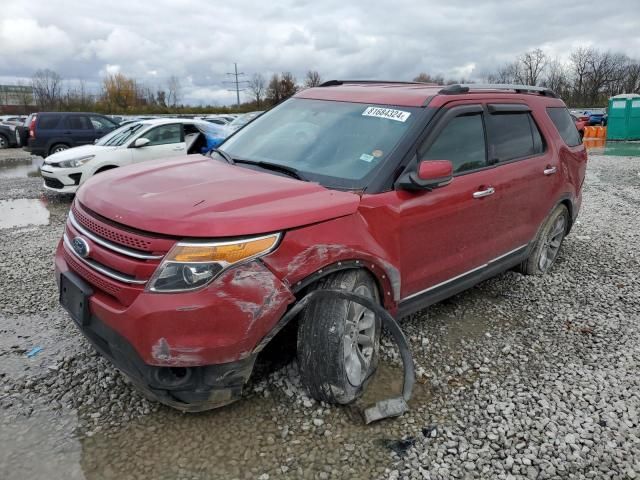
(312, 79)
(274, 92)
(557, 78)
(47, 89)
(174, 91)
(530, 66)
(257, 86)
(288, 85)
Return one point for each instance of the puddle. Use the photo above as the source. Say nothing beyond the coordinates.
(20, 167)
(40, 446)
(598, 146)
(23, 212)
(20, 335)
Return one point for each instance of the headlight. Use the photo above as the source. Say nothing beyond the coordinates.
(74, 162)
(191, 265)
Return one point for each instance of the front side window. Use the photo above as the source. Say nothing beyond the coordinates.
(164, 134)
(338, 144)
(513, 136)
(101, 123)
(565, 125)
(461, 142)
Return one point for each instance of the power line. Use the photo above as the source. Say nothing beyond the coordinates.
(237, 82)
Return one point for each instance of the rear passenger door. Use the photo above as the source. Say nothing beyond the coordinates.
(78, 129)
(525, 174)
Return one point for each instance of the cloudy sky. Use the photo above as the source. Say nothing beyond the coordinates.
(199, 40)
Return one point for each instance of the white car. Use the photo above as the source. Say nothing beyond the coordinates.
(134, 142)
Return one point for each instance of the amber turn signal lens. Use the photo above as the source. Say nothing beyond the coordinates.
(223, 252)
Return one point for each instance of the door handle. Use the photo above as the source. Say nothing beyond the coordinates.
(484, 193)
(550, 170)
(177, 149)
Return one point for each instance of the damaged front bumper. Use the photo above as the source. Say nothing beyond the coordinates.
(192, 351)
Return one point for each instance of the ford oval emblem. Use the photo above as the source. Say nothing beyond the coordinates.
(80, 246)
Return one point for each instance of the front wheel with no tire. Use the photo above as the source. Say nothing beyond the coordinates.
(548, 242)
(338, 340)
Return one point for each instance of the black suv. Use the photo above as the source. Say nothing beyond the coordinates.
(51, 132)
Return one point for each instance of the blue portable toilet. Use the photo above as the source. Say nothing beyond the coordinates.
(624, 117)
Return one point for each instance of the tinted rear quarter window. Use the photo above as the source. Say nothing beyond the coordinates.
(565, 125)
(48, 122)
(77, 122)
(513, 136)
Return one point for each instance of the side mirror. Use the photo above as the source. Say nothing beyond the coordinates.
(141, 142)
(429, 175)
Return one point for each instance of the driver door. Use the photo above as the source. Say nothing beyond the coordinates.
(164, 141)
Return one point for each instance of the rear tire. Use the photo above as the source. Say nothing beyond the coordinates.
(4, 142)
(548, 242)
(58, 147)
(338, 340)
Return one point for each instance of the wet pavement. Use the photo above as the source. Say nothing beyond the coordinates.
(101, 428)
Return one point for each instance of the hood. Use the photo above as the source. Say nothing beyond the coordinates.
(196, 196)
(76, 152)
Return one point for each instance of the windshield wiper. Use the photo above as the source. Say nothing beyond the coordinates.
(276, 167)
(227, 158)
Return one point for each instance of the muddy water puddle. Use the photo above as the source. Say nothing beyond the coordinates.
(25, 212)
(30, 346)
(257, 435)
(20, 167)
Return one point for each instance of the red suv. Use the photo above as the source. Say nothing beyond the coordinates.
(181, 271)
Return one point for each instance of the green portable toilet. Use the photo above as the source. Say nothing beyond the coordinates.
(624, 117)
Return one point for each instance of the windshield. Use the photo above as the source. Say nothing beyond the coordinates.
(334, 143)
(120, 136)
(244, 119)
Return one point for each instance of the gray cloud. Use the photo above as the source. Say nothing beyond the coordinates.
(199, 40)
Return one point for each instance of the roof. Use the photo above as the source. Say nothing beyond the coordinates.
(626, 95)
(402, 94)
(163, 121)
(413, 94)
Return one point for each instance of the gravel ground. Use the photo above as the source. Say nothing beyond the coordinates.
(520, 377)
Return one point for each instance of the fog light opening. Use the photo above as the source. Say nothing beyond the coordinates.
(173, 376)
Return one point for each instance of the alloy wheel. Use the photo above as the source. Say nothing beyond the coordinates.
(359, 337)
(552, 243)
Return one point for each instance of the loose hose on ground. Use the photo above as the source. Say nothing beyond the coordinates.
(384, 408)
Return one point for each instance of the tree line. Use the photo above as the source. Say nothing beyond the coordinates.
(120, 94)
(587, 79)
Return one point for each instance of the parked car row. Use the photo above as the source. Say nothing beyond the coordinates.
(66, 169)
(591, 117)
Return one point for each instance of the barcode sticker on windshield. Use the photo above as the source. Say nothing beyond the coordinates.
(388, 113)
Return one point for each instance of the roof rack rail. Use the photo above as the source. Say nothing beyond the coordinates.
(458, 88)
(333, 83)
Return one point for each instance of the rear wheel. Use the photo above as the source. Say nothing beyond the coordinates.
(4, 142)
(338, 340)
(58, 147)
(548, 242)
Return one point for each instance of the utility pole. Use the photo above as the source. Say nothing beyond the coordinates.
(237, 82)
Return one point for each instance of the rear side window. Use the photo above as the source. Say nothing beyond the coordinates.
(513, 136)
(48, 122)
(461, 142)
(566, 126)
(77, 122)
